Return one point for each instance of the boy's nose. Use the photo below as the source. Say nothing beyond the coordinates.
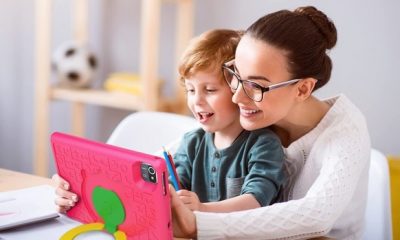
(198, 98)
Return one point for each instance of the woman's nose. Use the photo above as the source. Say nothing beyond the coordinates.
(239, 96)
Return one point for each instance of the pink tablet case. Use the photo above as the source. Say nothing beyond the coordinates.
(86, 164)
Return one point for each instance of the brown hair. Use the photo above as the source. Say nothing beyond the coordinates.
(305, 35)
(208, 52)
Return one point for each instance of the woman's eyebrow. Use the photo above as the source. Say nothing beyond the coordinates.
(252, 77)
(258, 78)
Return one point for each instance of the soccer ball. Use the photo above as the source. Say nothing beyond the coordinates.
(74, 65)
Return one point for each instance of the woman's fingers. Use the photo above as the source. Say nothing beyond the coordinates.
(66, 194)
(63, 209)
(64, 202)
(60, 182)
(65, 199)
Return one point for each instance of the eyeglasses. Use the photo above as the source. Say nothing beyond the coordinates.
(253, 90)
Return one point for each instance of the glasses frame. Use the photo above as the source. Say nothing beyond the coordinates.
(228, 67)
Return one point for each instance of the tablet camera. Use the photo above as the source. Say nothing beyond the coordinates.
(148, 173)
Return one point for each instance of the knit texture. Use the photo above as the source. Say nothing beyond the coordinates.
(329, 193)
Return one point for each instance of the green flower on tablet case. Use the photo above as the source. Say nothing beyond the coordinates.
(110, 208)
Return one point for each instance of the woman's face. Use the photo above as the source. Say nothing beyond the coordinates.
(265, 65)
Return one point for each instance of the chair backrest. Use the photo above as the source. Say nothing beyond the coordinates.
(149, 131)
(378, 213)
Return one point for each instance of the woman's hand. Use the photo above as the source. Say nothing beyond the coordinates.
(65, 199)
(183, 219)
(191, 200)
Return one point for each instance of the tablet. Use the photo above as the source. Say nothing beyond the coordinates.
(123, 189)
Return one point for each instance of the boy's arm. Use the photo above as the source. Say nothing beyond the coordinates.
(183, 163)
(239, 203)
(183, 170)
(265, 176)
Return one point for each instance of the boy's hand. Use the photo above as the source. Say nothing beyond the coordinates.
(191, 200)
(65, 199)
(183, 220)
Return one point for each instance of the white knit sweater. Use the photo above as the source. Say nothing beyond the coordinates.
(329, 195)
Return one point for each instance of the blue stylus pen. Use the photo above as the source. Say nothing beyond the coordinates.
(171, 171)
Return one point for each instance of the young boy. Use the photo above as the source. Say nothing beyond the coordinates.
(221, 166)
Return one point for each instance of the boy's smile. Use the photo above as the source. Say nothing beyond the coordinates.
(203, 117)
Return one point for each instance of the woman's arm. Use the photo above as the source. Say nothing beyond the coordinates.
(307, 217)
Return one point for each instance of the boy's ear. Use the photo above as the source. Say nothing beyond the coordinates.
(305, 88)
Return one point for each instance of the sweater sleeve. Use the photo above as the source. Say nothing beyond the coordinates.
(343, 159)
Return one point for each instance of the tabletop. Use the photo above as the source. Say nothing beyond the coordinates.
(12, 180)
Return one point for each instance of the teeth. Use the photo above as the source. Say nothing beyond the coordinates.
(248, 111)
(204, 114)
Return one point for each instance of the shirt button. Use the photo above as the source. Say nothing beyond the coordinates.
(216, 155)
(213, 169)
(212, 184)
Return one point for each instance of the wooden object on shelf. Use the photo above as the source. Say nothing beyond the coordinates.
(44, 93)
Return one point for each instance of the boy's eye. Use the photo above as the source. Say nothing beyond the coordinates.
(211, 90)
(189, 90)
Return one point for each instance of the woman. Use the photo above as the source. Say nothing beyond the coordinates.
(280, 61)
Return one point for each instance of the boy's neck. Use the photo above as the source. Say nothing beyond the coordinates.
(225, 138)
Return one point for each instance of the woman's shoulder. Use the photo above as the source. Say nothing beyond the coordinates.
(347, 115)
(345, 128)
(343, 108)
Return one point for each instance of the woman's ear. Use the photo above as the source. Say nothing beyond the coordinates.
(305, 88)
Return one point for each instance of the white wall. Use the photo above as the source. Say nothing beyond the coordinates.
(366, 60)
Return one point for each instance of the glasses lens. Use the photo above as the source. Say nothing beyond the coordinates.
(230, 78)
(253, 90)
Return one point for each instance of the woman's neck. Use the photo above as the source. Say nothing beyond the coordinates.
(303, 118)
(225, 138)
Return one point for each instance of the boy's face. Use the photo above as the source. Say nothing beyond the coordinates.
(210, 100)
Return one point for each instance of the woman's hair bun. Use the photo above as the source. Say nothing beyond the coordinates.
(322, 22)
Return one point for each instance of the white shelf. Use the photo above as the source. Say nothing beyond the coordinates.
(117, 100)
(149, 51)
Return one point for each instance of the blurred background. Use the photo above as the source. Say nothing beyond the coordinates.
(366, 61)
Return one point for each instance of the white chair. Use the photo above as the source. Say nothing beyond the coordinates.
(378, 213)
(149, 131)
